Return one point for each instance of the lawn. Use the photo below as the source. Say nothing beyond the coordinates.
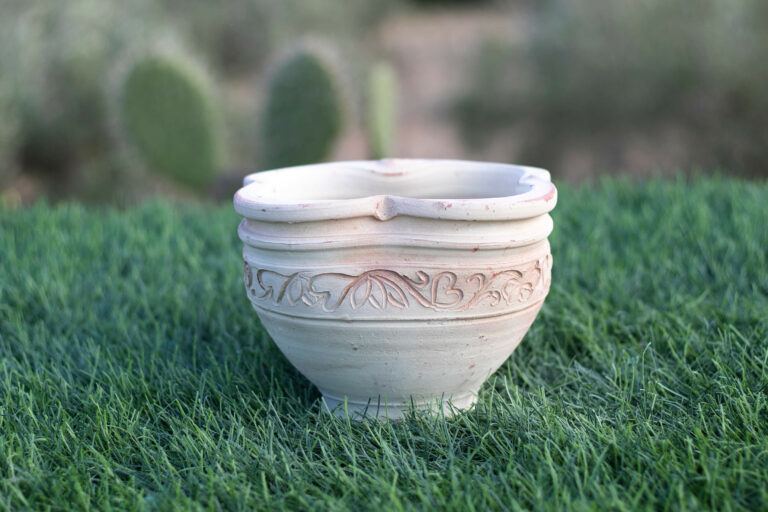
(134, 375)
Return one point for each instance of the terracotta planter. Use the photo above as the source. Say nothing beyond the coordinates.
(397, 282)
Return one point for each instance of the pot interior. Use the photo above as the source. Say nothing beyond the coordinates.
(417, 179)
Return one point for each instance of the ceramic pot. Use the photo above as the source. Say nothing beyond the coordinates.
(397, 283)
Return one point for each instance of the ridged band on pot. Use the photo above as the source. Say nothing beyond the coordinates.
(397, 282)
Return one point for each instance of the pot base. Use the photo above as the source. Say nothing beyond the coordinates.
(381, 409)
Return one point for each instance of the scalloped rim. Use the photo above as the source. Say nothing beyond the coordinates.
(263, 198)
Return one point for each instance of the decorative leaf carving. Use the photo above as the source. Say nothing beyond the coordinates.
(381, 288)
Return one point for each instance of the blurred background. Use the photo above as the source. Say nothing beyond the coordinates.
(114, 101)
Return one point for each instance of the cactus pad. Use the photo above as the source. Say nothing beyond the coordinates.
(167, 117)
(302, 117)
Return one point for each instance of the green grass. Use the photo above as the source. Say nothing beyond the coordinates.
(133, 373)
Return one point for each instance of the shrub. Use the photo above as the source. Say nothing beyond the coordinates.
(54, 57)
(603, 75)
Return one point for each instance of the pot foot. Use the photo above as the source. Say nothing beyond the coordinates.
(380, 408)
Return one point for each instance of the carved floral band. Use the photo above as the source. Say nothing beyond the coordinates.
(380, 289)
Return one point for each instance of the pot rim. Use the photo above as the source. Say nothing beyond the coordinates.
(269, 195)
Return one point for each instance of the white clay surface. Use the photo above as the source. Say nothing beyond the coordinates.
(395, 282)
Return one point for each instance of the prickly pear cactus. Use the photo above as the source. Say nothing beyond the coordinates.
(167, 117)
(382, 110)
(302, 117)
(8, 136)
